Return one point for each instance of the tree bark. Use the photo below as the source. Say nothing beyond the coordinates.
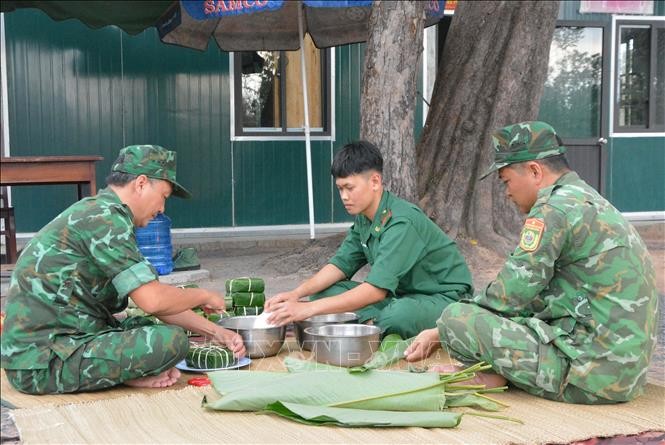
(492, 73)
(388, 96)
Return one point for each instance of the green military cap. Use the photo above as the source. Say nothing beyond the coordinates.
(526, 141)
(150, 160)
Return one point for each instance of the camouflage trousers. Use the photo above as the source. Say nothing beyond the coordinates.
(406, 315)
(472, 334)
(107, 360)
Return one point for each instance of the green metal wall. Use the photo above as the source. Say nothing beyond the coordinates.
(73, 90)
(636, 176)
(64, 97)
(348, 75)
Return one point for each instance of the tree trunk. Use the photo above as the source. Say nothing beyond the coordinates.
(492, 74)
(388, 96)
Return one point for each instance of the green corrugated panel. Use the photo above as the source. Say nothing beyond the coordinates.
(349, 64)
(73, 90)
(179, 98)
(69, 94)
(635, 182)
(64, 97)
(271, 182)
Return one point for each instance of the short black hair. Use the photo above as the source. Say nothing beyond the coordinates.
(119, 179)
(556, 164)
(356, 157)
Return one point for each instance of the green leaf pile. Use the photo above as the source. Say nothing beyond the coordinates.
(318, 394)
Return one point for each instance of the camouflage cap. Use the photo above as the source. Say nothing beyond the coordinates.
(526, 141)
(150, 160)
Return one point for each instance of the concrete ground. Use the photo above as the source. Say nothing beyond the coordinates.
(285, 262)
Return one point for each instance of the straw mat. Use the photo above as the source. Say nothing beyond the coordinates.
(176, 416)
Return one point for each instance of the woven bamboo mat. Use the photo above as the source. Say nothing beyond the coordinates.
(126, 415)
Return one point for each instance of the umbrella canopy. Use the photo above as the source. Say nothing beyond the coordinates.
(237, 25)
(251, 25)
(132, 16)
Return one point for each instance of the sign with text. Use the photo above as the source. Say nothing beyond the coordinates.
(617, 6)
(213, 9)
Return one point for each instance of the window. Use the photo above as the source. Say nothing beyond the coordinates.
(572, 95)
(268, 92)
(639, 96)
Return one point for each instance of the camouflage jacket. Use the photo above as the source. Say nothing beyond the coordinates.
(583, 280)
(71, 277)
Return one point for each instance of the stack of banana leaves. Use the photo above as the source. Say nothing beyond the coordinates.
(317, 394)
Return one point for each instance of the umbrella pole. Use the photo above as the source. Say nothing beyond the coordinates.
(308, 144)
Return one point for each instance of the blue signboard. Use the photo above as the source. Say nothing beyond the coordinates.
(212, 9)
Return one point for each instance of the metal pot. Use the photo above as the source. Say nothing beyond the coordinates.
(344, 344)
(305, 341)
(259, 341)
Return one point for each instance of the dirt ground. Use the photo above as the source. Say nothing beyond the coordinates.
(284, 265)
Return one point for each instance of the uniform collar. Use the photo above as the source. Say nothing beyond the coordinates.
(567, 178)
(381, 217)
(108, 195)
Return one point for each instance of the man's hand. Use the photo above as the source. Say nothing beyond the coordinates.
(232, 340)
(276, 300)
(423, 345)
(195, 323)
(289, 311)
(214, 302)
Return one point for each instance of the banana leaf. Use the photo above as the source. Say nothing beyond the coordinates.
(372, 390)
(391, 350)
(473, 400)
(454, 398)
(296, 365)
(349, 417)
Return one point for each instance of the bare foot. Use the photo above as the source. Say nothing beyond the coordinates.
(162, 380)
(490, 380)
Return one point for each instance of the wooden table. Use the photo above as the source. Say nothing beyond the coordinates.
(43, 170)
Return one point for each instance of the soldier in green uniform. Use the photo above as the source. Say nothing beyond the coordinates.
(416, 270)
(60, 334)
(572, 316)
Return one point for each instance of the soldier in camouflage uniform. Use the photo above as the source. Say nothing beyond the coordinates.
(60, 334)
(572, 316)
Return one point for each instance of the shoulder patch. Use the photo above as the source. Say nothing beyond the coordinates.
(532, 233)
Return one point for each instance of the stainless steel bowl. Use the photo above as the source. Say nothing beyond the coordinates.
(305, 340)
(259, 341)
(344, 344)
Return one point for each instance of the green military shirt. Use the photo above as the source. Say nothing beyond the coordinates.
(71, 277)
(409, 254)
(582, 279)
